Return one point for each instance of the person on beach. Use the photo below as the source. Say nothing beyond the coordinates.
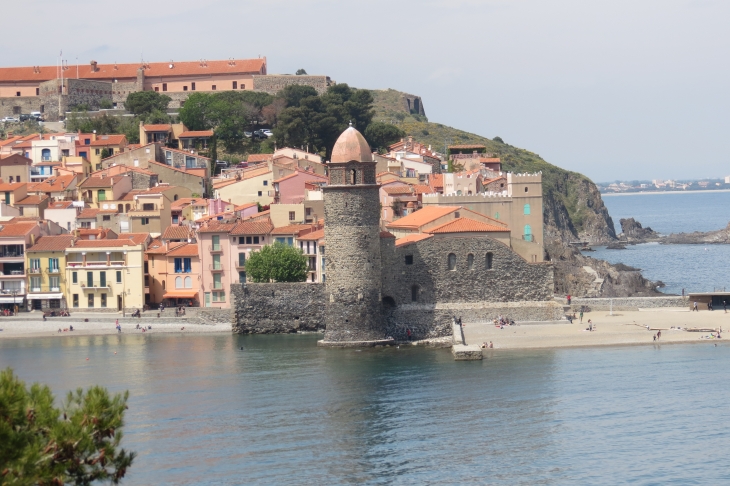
(568, 299)
(659, 335)
(590, 325)
(694, 307)
(581, 317)
(491, 344)
(408, 331)
(654, 337)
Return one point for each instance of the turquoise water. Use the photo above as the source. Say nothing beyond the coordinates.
(282, 411)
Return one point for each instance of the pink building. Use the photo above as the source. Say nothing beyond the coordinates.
(15, 238)
(173, 270)
(290, 189)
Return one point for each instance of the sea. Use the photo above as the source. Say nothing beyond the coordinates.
(229, 409)
(223, 409)
(694, 268)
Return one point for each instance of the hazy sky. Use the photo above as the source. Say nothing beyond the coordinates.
(615, 89)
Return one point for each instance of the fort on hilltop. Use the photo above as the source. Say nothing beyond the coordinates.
(54, 90)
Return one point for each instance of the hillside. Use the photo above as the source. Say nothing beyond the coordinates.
(573, 208)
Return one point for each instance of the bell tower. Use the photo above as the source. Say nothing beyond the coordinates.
(352, 231)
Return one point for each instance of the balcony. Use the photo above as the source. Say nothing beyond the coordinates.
(216, 267)
(53, 270)
(215, 249)
(94, 285)
(527, 237)
(34, 271)
(12, 274)
(10, 253)
(217, 286)
(43, 288)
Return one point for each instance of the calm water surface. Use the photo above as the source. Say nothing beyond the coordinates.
(282, 411)
(696, 268)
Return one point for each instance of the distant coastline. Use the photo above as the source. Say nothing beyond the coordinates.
(604, 194)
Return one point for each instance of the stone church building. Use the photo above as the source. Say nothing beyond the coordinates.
(379, 288)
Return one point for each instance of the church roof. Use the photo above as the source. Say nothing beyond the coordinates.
(351, 145)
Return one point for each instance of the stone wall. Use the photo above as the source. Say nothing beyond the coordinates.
(17, 105)
(277, 308)
(75, 92)
(413, 104)
(168, 175)
(273, 83)
(628, 303)
(352, 232)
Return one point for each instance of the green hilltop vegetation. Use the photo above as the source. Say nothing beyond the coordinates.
(565, 191)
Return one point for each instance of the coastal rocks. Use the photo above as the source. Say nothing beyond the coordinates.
(698, 238)
(633, 232)
(615, 246)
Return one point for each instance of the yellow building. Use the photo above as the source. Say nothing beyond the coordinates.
(106, 274)
(46, 261)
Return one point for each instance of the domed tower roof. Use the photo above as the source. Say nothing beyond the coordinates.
(351, 145)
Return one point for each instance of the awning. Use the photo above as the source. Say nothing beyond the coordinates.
(181, 294)
(52, 295)
(9, 300)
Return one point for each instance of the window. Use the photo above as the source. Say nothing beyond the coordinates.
(178, 265)
(249, 240)
(213, 87)
(101, 195)
(35, 264)
(490, 259)
(90, 301)
(527, 209)
(216, 243)
(217, 281)
(292, 215)
(470, 261)
(103, 300)
(185, 88)
(409, 259)
(242, 277)
(496, 215)
(235, 85)
(12, 179)
(37, 91)
(217, 262)
(97, 151)
(75, 277)
(188, 282)
(106, 217)
(53, 264)
(75, 300)
(241, 259)
(157, 88)
(207, 299)
(255, 240)
(175, 219)
(35, 284)
(17, 93)
(528, 233)
(90, 279)
(452, 261)
(414, 293)
(525, 189)
(164, 285)
(259, 195)
(119, 276)
(148, 207)
(192, 86)
(145, 221)
(266, 183)
(168, 158)
(215, 296)
(222, 296)
(55, 283)
(178, 282)
(102, 279)
(164, 86)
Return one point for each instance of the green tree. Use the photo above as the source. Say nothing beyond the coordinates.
(380, 135)
(106, 104)
(76, 444)
(301, 72)
(105, 152)
(277, 263)
(144, 102)
(105, 125)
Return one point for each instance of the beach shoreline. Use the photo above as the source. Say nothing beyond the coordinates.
(641, 193)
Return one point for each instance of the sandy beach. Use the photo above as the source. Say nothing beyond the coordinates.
(622, 328)
(29, 326)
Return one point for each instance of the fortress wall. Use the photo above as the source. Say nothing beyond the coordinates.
(269, 308)
(273, 83)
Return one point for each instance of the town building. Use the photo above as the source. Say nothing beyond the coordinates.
(46, 264)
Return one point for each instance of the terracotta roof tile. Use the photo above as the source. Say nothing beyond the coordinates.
(259, 158)
(423, 216)
(198, 133)
(217, 227)
(101, 182)
(186, 249)
(52, 243)
(465, 225)
(467, 147)
(185, 152)
(252, 228)
(129, 70)
(157, 128)
(102, 140)
(176, 233)
(31, 200)
(138, 238)
(11, 186)
(412, 238)
(398, 190)
(313, 236)
(61, 205)
(104, 243)
(292, 229)
(17, 229)
(437, 181)
(184, 202)
(88, 213)
(52, 184)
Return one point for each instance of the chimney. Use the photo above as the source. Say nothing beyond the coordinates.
(93, 66)
(73, 242)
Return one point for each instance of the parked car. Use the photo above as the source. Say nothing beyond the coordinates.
(221, 163)
(24, 117)
(37, 115)
(247, 134)
(260, 134)
(10, 119)
(267, 132)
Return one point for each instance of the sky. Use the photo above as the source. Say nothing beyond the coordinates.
(619, 89)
